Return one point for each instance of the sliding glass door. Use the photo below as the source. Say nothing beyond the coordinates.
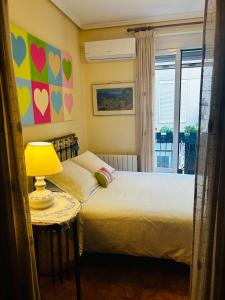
(165, 75)
(177, 86)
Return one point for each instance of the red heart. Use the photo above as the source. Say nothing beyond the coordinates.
(38, 56)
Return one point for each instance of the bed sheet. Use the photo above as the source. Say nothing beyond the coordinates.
(142, 214)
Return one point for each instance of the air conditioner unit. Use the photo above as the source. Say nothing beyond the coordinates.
(119, 49)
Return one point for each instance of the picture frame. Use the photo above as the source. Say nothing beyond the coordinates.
(113, 99)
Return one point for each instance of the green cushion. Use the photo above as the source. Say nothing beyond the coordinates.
(104, 177)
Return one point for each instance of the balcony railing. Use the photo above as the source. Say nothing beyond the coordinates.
(187, 151)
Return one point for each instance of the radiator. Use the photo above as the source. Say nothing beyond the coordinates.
(121, 162)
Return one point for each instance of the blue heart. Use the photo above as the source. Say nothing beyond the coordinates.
(56, 98)
(19, 49)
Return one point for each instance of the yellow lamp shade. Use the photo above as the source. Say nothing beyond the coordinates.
(41, 159)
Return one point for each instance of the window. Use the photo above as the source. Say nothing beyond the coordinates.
(177, 84)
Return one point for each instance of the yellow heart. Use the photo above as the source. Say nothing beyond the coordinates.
(54, 62)
(41, 100)
(24, 99)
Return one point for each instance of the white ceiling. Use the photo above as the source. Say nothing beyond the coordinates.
(89, 14)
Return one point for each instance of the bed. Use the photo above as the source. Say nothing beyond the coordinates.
(141, 214)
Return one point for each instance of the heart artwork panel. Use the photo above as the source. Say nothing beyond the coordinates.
(56, 101)
(19, 49)
(38, 56)
(38, 59)
(56, 98)
(24, 96)
(68, 102)
(54, 66)
(67, 67)
(41, 102)
(24, 99)
(54, 62)
(20, 53)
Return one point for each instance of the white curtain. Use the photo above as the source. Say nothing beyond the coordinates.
(208, 269)
(145, 98)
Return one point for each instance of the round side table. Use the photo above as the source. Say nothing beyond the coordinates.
(61, 216)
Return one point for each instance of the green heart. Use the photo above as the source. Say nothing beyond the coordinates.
(67, 68)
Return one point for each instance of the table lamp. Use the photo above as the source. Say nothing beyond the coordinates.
(41, 160)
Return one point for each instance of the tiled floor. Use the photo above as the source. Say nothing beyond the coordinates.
(112, 277)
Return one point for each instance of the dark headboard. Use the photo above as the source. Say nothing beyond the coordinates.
(66, 146)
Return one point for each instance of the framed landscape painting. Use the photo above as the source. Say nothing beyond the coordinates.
(113, 99)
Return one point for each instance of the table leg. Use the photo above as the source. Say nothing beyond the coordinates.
(76, 259)
(52, 257)
(67, 251)
(36, 247)
(60, 253)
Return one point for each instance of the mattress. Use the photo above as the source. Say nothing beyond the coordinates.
(141, 214)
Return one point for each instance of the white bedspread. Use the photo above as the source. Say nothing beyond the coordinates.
(143, 214)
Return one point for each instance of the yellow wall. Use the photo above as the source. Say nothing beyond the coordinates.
(42, 19)
(116, 134)
(108, 134)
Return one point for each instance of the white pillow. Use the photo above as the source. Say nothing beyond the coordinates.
(75, 181)
(91, 162)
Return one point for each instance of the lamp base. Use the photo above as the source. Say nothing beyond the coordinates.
(41, 198)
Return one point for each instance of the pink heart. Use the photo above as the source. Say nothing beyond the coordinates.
(68, 100)
(38, 56)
